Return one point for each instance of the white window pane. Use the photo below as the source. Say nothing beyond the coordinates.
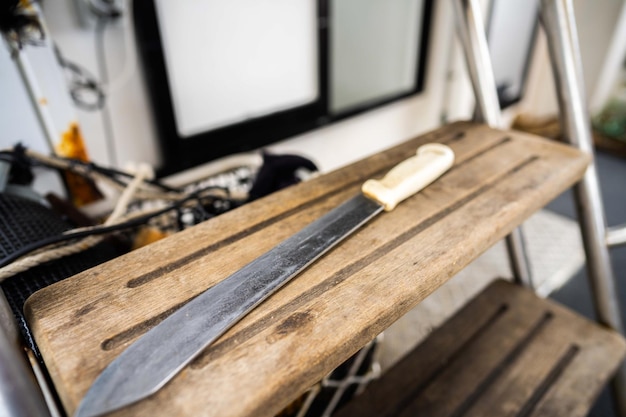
(230, 61)
(374, 50)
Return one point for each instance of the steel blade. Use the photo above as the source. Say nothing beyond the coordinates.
(155, 358)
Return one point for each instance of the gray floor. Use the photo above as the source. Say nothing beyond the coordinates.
(575, 294)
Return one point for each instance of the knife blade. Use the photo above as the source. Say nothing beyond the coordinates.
(161, 353)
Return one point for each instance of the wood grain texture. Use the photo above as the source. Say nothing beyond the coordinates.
(332, 309)
(507, 353)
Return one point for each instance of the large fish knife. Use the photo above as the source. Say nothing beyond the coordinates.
(156, 357)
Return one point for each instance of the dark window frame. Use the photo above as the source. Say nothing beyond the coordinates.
(179, 153)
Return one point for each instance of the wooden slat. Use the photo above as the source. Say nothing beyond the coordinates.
(465, 376)
(332, 309)
(537, 364)
(517, 355)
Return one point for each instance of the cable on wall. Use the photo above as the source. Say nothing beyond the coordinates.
(86, 91)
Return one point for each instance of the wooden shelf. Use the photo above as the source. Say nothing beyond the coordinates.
(506, 353)
(325, 315)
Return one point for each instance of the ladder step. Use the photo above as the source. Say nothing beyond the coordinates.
(506, 353)
(331, 310)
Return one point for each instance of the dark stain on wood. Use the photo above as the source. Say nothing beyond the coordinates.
(294, 322)
(87, 308)
(555, 373)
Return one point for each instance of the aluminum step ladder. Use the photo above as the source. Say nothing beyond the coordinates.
(557, 18)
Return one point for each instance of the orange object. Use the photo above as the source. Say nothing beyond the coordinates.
(82, 190)
(147, 235)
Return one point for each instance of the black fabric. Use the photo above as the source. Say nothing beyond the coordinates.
(277, 172)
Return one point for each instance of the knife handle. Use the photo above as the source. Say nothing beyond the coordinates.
(410, 176)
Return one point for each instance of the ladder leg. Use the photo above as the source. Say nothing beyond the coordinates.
(19, 394)
(559, 25)
(471, 33)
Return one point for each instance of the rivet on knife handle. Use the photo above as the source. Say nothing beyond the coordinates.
(155, 358)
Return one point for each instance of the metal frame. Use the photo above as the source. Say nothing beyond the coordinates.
(560, 26)
(22, 393)
(19, 394)
(471, 33)
(557, 17)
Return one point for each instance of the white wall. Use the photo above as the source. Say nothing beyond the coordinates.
(613, 66)
(130, 112)
(331, 147)
(363, 135)
(596, 22)
(15, 105)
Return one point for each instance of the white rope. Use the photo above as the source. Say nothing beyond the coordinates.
(28, 262)
(31, 261)
(137, 188)
(143, 172)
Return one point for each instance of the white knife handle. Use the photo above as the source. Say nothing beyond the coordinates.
(410, 176)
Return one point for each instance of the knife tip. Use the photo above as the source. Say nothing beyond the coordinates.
(95, 405)
(83, 411)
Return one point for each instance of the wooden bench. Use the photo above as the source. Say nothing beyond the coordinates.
(325, 315)
(506, 353)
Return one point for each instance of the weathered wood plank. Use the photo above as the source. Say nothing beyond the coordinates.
(336, 306)
(510, 328)
(521, 380)
(517, 355)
